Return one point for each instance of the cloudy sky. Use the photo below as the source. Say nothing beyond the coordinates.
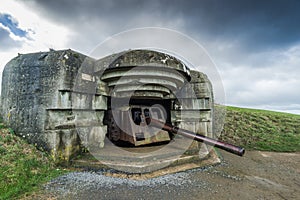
(254, 44)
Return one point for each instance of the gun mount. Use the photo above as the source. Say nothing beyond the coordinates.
(136, 123)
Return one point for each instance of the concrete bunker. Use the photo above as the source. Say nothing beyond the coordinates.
(63, 101)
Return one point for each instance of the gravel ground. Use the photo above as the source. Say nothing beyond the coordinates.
(257, 175)
(95, 185)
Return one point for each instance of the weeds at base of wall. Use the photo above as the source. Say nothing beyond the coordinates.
(23, 168)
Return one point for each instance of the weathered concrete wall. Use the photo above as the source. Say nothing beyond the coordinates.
(50, 99)
(195, 112)
(30, 85)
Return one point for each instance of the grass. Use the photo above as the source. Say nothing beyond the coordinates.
(22, 167)
(262, 130)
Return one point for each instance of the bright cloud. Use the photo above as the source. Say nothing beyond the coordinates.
(27, 32)
(273, 83)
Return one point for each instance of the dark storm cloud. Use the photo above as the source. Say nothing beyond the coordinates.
(255, 25)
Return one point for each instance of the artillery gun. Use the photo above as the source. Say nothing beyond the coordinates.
(141, 125)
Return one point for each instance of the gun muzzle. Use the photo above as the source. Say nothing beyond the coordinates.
(201, 138)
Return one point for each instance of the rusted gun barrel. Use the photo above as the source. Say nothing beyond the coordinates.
(201, 138)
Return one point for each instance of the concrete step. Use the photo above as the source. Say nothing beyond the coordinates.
(148, 159)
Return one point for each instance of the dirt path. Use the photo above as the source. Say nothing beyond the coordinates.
(257, 175)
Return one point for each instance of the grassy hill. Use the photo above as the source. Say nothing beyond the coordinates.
(262, 130)
(23, 168)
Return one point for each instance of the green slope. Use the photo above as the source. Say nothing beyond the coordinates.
(262, 130)
(22, 167)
